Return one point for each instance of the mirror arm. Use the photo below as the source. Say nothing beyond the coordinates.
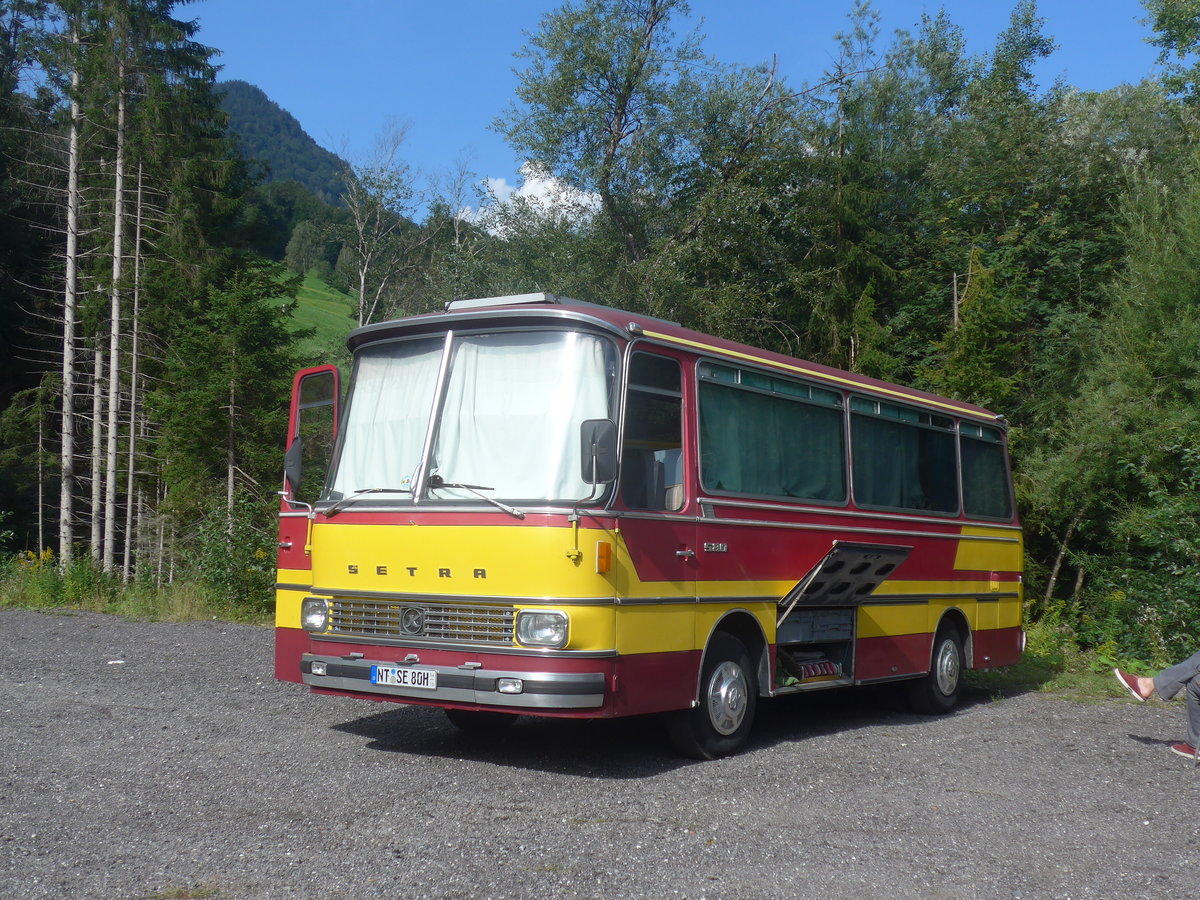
(575, 554)
(295, 504)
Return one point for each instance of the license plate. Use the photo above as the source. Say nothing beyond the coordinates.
(404, 676)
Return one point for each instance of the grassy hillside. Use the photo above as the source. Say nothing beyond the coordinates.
(331, 313)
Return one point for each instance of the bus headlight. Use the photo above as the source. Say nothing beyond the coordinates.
(314, 614)
(542, 628)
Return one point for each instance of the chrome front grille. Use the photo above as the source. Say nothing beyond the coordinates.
(460, 622)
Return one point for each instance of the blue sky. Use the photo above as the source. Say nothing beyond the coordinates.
(346, 69)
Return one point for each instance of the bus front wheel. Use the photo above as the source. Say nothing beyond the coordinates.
(938, 692)
(720, 722)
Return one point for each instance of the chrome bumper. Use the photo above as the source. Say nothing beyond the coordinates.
(461, 684)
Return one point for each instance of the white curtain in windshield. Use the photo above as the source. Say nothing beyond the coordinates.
(513, 407)
(388, 417)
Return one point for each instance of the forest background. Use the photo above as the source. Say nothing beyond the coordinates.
(921, 215)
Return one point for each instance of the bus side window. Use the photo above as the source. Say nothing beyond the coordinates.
(986, 491)
(651, 463)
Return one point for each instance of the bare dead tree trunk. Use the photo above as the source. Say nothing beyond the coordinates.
(114, 341)
(378, 193)
(41, 476)
(141, 550)
(1078, 586)
(230, 466)
(126, 561)
(158, 568)
(97, 458)
(1058, 559)
(66, 508)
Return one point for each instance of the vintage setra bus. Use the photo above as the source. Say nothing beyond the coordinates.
(539, 506)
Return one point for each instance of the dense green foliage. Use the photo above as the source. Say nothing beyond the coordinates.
(920, 214)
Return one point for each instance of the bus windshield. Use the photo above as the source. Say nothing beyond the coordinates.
(505, 422)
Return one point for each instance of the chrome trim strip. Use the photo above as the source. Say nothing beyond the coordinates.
(904, 676)
(893, 599)
(483, 318)
(881, 600)
(665, 601)
(542, 690)
(351, 594)
(843, 380)
(876, 600)
(659, 517)
(710, 501)
(281, 586)
(387, 506)
(435, 418)
(460, 646)
(855, 529)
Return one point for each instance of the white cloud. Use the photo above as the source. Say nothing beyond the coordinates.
(541, 193)
(544, 189)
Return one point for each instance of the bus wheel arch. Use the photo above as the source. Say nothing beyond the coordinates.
(719, 721)
(938, 691)
(955, 617)
(747, 629)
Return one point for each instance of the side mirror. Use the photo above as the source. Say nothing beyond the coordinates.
(598, 442)
(292, 464)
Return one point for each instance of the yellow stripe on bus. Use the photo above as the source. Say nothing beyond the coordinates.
(983, 556)
(287, 600)
(511, 564)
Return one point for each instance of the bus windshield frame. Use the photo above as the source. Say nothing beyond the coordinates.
(472, 417)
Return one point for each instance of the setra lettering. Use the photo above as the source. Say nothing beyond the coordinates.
(443, 572)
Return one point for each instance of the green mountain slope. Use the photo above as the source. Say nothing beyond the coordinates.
(271, 135)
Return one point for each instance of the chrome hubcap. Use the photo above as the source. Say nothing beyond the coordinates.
(727, 696)
(948, 667)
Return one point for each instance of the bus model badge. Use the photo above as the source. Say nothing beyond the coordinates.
(412, 620)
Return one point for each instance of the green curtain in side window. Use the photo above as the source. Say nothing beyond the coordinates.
(885, 463)
(756, 444)
(985, 480)
(903, 466)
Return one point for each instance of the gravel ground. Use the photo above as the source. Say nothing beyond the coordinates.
(162, 761)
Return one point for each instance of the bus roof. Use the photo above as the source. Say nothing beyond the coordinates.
(541, 308)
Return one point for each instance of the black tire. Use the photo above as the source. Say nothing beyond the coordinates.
(721, 722)
(475, 721)
(937, 693)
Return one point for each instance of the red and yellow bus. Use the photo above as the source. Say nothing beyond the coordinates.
(538, 506)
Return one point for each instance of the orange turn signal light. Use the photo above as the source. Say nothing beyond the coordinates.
(603, 556)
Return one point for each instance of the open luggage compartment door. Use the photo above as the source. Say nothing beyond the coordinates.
(845, 576)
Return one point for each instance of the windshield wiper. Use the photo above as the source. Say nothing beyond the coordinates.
(436, 481)
(350, 498)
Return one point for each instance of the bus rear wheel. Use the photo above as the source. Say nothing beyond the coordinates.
(938, 692)
(720, 722)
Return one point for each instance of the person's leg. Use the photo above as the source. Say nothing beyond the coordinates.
(1170, 681)
(1193, 712)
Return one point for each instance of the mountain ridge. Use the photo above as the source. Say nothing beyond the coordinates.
(273, 136)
